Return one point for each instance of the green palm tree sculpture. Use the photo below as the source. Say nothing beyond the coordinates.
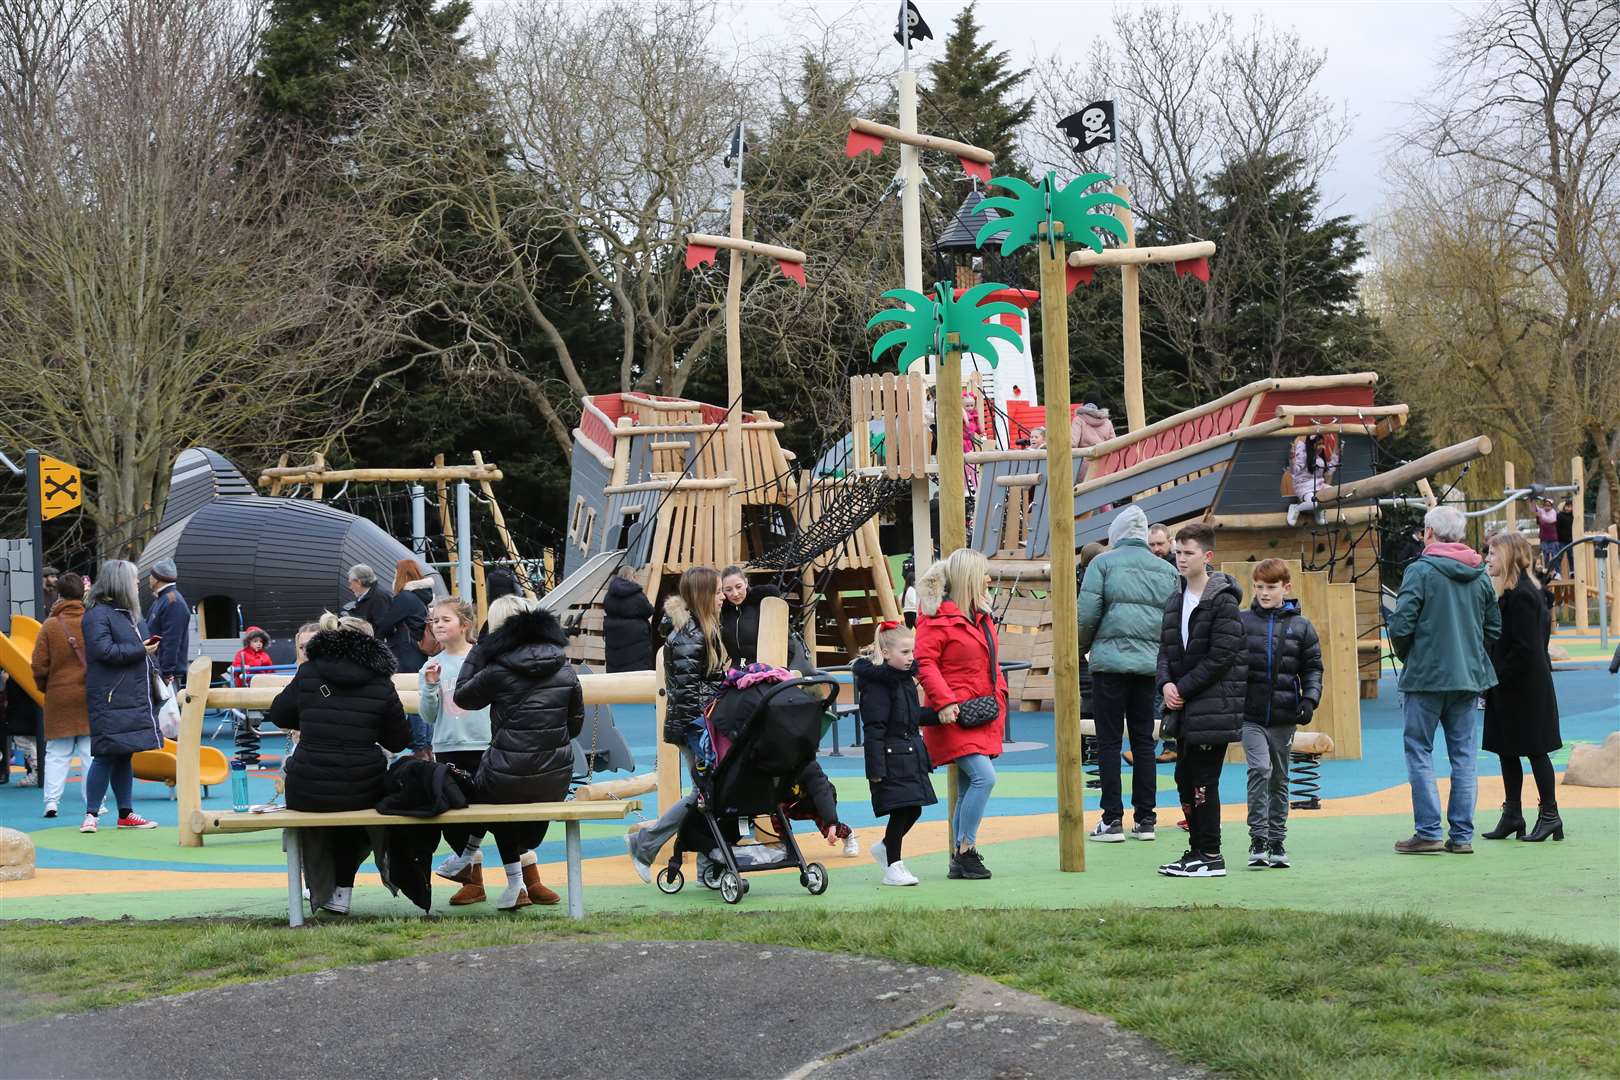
(1031, 204)
(929, 323)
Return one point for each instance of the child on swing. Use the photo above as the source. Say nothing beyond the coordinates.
(897, 764)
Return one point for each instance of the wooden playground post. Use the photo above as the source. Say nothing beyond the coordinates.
(1060, 549)
(1509, 483)
(922, 536)
(1130, 277)
(948, 414)
(188, 762)
(734, 388)
(443, 489)
(1577, 472)
(518, 568)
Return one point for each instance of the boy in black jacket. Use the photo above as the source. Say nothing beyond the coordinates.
(1285, 687)
(1203, 676)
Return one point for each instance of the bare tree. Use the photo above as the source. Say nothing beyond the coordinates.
(1199, 98)
(1526, 114)
(160, 289)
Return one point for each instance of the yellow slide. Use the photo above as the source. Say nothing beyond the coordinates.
(17, 657)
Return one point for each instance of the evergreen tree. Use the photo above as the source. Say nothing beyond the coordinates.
(972, 94)
(310, 46)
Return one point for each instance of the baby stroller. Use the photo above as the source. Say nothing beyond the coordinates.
(764, 736)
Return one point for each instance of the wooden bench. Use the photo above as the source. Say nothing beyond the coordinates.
(293, 822)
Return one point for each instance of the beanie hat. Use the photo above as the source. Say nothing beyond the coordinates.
(164, 570)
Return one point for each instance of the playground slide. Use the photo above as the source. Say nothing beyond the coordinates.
(582, 586)
(16, 656)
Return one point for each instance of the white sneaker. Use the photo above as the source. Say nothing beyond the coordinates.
(452, 866)
(897, 874)
(643, 869)
(339, 903)
(88, 824)
(50, 809)
(880, 854)
(510, 896)
(852, 846)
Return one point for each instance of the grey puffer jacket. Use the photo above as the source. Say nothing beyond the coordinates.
(520, 672)
(688, 681)
(1211, 671)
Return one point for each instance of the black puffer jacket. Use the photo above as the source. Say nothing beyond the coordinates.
(689, 684)
(521, 674)
(739, 625)
(117, 684)
(1285, 665)
(897, 764)
(344, 703)
(1211, 672)
(627, 627)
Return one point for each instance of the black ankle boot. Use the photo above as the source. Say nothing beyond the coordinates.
(1512, 823)
(1548, 823)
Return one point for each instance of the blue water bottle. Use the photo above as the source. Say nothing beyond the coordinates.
(239, 787)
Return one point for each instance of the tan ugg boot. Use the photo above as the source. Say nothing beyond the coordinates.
(538, 893)
(472, 885)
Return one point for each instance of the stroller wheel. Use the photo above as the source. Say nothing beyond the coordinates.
(709, 877)
(814, 878)
(732, 887)
(670, 880)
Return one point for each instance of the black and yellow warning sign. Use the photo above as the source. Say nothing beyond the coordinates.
(61, 488)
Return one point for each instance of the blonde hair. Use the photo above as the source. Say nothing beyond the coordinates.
(697, 590)
(1516, 559)
(329, 621)
(886, 638)
(505, 607)
(464, 614)
(959, 577)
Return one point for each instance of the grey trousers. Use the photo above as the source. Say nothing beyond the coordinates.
(1266, 751)
(646, 842)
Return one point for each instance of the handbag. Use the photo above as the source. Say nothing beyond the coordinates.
(1170, 724)
(427, 643)
(976, 712)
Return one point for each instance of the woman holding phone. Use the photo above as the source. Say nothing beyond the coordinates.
(119, 692)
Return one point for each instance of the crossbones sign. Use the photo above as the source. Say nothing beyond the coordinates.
(1091, 126)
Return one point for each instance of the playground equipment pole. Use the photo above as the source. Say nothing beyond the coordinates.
(1130, 302)
(464, 580)
(1577, 472)
(734, 387)
(1060, 549)
(948, 412)
(418, 521)
(922, 542)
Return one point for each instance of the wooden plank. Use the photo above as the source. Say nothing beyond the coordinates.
(1340, 658)
(218, 821)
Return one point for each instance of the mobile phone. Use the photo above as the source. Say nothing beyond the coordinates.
(154, 639)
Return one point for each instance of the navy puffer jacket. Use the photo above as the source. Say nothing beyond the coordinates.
(520, 672)
(1285, 665)
(1211, 671)
(118, 684)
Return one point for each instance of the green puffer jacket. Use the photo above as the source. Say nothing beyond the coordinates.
(1444, 622)
(1121, 606)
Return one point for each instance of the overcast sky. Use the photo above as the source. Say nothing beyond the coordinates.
(1380, 54)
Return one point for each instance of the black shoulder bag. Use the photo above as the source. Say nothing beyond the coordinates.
(976, 712)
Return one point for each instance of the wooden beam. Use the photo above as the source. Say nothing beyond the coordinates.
(1338, 411)
(320, 475)
(1349, 515)
(752, 247)
(518, 567)
(188, 745)
(1135, 256)
(921, 141)
(1390, 482)
(715, 483)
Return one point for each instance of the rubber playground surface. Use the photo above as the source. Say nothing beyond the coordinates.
(1342, 853)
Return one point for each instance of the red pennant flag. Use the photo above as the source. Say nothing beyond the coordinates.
(1198, 268)
(792, 270)
(976, 168)
(699, 253)
(1077, 275)
(859, 142)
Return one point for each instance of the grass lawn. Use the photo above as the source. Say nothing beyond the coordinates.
(1256, 993)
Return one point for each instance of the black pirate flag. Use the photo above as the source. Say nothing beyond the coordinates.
(1091, 127)
(910, 26)
(735, 150)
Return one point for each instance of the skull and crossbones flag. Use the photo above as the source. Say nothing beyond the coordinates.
(911, 25)
(1091, 127)
(735, 149)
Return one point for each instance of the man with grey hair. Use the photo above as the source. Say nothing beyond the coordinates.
(169, 619)
(1441, 631)
(371, 601)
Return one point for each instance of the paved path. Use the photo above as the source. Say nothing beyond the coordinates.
(699, 1010)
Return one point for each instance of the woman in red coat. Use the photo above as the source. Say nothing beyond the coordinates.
(957, 652)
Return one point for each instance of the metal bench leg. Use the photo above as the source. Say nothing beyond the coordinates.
(295, 878)
(576, 871)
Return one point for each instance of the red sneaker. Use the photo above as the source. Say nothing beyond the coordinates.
(135, 821)
(1183, 826)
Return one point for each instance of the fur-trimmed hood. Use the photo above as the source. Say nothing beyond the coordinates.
(350, 657)
(931, 588)
(532, 642)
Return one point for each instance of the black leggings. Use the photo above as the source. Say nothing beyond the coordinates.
(900, 822)
(1540, 767)
(513, 838)
(459, 836)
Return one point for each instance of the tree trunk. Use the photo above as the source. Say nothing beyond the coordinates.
(1607, 447)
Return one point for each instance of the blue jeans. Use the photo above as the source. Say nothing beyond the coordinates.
(1453, 711)
(976, 775)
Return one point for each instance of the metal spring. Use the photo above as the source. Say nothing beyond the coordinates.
(1304, 778)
